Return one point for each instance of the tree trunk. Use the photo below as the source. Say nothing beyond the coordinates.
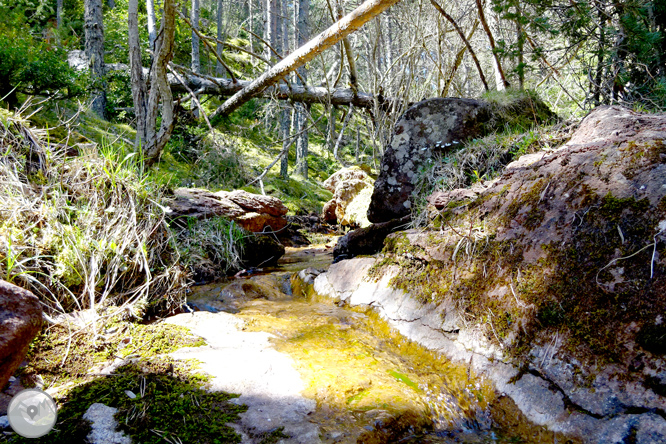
(287, 125)
(146, 102)
(194, 17)
(94, 49)
(304, 54)
(465, 41)
(388, 41)
(353, 76)
(59, 14)
(152, 34)
(294, 92)
(219, 68)
(520, 39)
(498, 65)
(272, 11)
(302, 16)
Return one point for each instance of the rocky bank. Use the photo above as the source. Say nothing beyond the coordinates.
(551, 281)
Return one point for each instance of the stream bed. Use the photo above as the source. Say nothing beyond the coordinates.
(339, 373)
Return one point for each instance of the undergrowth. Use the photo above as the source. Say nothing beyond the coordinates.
(83, 229)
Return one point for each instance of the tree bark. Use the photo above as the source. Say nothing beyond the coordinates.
(59, 14)
(219, 68)
(294, 92)
(304, 54)
(302, 16)
(152, 34)
(456, 63)
(353, 75)
(94, 49)
(270, 35)
(465, 41)
(194, 17)
(147, 102)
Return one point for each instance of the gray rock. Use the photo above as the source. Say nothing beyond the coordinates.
(104, 425)
(429, 127)
(4, 422)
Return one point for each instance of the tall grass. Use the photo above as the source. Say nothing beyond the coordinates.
(86, 231)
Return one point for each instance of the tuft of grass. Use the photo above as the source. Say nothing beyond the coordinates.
(83, 232)
(480, 159)
(216, 239)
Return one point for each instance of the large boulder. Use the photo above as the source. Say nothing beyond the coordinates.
(253, 212)
(20, 321)
(434, 127)
(551, 281)
(429, 127)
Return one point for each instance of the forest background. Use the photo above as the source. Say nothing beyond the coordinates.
(150, 91)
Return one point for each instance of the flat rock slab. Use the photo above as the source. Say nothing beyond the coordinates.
(246, 363)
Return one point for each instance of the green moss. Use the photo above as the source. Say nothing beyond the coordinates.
(81, 351)
(590, 291)
(529, 199)
(170, 404)
(170, 396)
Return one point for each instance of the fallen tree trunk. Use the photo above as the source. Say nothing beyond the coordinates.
(224, 87)
(348, 24)
(296, 93)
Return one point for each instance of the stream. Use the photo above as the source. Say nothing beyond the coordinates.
(318, 368)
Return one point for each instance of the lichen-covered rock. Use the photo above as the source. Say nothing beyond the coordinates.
(550, 280)
(356, 212)
(435, 127)
(20, 321)
(344, 175)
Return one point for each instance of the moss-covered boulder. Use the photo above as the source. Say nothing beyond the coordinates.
(550, 280)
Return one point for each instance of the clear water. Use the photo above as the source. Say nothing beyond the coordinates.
(371, 385)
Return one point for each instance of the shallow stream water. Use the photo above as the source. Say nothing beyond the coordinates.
(370, 384)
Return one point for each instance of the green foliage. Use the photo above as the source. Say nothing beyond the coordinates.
(86, 231)
(170, 403)
(31, 66)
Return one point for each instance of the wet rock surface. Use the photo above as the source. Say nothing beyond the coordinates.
(550, 281)
(20, 321)
(246, 363)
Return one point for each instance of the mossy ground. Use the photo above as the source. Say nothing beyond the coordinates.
(171, 397)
